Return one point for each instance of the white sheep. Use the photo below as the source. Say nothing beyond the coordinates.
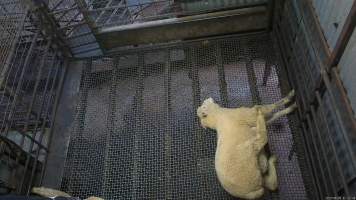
(241, 164)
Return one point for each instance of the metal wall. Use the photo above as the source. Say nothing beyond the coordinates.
(31, 74)
(325, 113)
(332, 15)
(347, 68)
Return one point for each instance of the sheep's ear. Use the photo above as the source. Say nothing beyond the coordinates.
(210, 100)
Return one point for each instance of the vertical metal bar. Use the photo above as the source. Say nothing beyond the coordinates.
(34, 132)
(34, 93)
(251, 75)
(111, 122)
(333, 148)
(54, 111)
(168, 132)
(221, 74)
(10, 88)
(194, 76)
(318, 163)
(29, 111)
(138, 104)
(311, 162)
(271, 8)
(339, 118)
(344, 98)
(54, 81)
(21, 79)
(317, 130)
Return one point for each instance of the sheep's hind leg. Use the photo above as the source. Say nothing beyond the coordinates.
(268, 109)
(270, 179)
(282, 113)
(261, 132)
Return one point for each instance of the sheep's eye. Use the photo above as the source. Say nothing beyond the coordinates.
(204, 115)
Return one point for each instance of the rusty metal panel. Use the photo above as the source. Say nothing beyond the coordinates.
(347, 70)
(332, 15)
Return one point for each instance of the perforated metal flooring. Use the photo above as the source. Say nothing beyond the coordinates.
(136, 134)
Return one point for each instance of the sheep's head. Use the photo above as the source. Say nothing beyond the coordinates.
(206, 113)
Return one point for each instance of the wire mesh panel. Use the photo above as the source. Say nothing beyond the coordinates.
(12, 17)
(136, 134)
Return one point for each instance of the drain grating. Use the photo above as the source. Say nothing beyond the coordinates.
(136, 135)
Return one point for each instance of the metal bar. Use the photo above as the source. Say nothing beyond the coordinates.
(168, 131)
(34, 93)
(333, 148)
(43, 125)
(194, 76)
(138, 107)
(111, 118)
(181, 20)
(344, 97)
(58, 4)
(21, 59)
(79, 35)
(21, 79)
(318, 163)
(65, 10)
(12, 94)
(339, 118)
(88, 50)
(256, 100)
(319, 137)
(221, 74)
(148, 48)
(311, 163)
(271, 8)
(196, 26)
(83, 101)
(28, 114)
(344, 37)
(54, 112)
(34, 132)
(68, 25)
(319, 31)
(101, 13)
(113, 13)
(83, 44)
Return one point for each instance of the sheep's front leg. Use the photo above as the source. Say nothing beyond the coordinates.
(261, 131)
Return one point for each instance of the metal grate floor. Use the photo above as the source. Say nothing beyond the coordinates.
(136, 135)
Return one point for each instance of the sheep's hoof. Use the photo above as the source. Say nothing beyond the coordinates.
(291, 93)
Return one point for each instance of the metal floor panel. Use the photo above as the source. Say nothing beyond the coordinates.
(135, 133)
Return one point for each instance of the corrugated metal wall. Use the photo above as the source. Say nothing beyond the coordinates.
(332, 15)
(348, 70)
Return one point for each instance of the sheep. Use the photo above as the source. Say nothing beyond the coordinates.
(241, 164)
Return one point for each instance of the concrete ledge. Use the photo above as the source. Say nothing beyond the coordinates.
(218, 23)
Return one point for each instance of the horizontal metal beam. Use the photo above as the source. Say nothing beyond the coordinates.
(217, 23)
